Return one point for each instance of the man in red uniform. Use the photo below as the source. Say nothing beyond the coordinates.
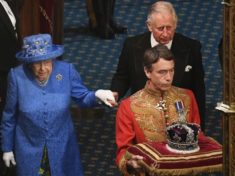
(144, 115)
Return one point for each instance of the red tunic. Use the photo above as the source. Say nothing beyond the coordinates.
(142, 117)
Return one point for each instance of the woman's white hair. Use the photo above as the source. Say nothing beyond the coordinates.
(161, 7)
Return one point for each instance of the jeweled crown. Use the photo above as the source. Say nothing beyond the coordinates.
(182, 137)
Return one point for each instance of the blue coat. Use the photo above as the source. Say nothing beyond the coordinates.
(36, 116)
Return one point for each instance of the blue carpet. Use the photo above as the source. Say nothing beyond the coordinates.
(96, 61)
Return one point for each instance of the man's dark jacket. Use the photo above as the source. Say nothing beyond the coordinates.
(189, 72)
(10, 44)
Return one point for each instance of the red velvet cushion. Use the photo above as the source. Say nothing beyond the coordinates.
(159, 160)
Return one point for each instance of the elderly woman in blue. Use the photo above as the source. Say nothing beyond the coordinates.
(37, 129)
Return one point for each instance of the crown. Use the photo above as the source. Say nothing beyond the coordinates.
(182, 137)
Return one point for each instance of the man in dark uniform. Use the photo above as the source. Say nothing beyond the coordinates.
(10, 44)
(189, 72)
(101, 18)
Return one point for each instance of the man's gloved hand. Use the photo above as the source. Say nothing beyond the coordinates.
(106, 96)
(8, 158)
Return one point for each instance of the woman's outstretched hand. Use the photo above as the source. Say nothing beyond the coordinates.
(106, 96)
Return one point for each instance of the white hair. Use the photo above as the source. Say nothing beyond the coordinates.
(162, 7)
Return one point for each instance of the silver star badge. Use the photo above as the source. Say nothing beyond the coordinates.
(161, 105)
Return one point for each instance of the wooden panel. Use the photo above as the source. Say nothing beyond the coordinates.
(29, 18)
(229, 88)
(34, 15)
(58, 32)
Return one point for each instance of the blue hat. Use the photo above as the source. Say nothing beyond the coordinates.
(38, 48)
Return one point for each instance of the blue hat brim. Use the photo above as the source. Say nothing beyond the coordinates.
(56, 51)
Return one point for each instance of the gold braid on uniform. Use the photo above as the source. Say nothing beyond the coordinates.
(154, 110)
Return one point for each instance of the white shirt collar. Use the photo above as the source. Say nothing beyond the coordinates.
(155, 43)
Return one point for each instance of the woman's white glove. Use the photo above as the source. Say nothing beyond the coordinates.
(8, 158)
(106, 96)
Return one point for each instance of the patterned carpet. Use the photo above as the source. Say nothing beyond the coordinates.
(96, 60)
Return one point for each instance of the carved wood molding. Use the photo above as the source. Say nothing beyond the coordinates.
(229, 87)
(229, 54)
